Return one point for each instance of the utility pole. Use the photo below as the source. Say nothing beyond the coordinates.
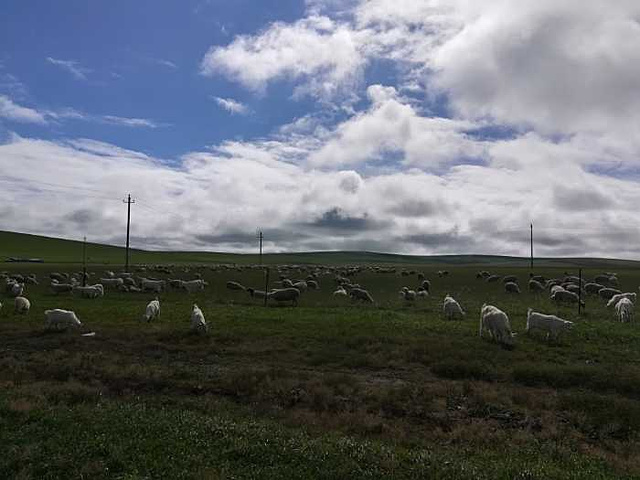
(532, 247)
(580, 292)
(84, 262)
(128, 201)
(260, 236)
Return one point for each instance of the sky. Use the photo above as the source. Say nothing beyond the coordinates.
(402, 126)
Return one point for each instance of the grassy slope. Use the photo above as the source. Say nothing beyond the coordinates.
(54, 250)
(324, 390)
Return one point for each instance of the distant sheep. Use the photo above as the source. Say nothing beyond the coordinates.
(408, 295)
(61, 287)
(564, 296)
(58, 319)
(496, 322)
(607, 293)
(301, 285)
(624, 310)
(193, 286)
(21, 305)
(148, 285)
(451, 308)
(535, 286)
(313, 284)
(443, 273)
(361, 294)
(511, 287)
(551, 324)
(198, 323)
(253, 293)
(112, 282)
(152, 312)
(426, 284)
(593, 288)
(510, 278)
(17, 289)
(492, 278)
(88, 292)
(613, 301)
(340, 292)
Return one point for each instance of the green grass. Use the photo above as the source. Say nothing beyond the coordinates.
(324, 390)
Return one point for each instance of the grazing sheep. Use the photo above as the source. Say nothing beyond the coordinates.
(235, 286)
(59, 277)
(313, 284)
(340, 292)
(564, 296)
(557, 288)
(88, 292)
(59, 319)
(421, 292)
(607, 293)
(593, 288)
(198, 323)
(538, 278)
(452, 309)
(443, 273)
(606, 280)
(301, 285)
(152, 311)
(31, 280)
(572, 287)
(510, 278)
(361, 294)
(492, 278)
(624, 310)
(61, 287)
(511, 287)
(426, 284)
(193, 286)
(549, 323)
(496, 322)
(112, 282)
(613, 301)
(286, 283)
(535, 286)
(21, 305)
(285, 295)
(148, 285)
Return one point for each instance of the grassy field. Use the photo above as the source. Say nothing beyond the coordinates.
(323, 390)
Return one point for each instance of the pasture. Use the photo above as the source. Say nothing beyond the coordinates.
(327, 389)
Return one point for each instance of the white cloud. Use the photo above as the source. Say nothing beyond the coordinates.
(232, 106)
(316, 49)
(73, 67)
(167, 63)
(11, 111)
(130, 122)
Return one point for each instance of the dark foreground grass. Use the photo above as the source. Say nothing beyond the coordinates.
(324, 390)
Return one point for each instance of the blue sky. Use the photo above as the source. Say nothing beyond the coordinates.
(409, 126)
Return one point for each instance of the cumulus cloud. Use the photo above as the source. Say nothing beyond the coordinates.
(73, 67)
(17, 113)
(232, 106)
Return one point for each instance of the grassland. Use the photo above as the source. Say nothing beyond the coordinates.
(323, 390)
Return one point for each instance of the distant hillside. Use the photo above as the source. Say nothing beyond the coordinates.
(56, 250)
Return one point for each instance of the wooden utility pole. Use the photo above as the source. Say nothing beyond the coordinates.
(266, 285)
(128, 201)
(260, 236)
(580, 292)
(531, 247)
(84, 262)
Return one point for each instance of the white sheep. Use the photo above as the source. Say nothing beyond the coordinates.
(535, 286)
(607, 293)
(17, 289)
(198, 323)
(613, 301)
(593, 288)
(61, 287)
(193, 285)
(301, 285)
(112, 282)
(151, 285)
(21, 305)
(89, 292)
(340, 292)
(496, 322)
(549, 323)
(624, 310)
(408, 295)
(152, 311)
(564, 296)
(59, 319)
(235, 286)
(285, 295)
(451, 308)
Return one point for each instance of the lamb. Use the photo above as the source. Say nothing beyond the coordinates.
(624, 310)
(340, 292)
(235, 286)
(408, 295)
(535, 286)
(607, 293)
(21, 305)
(285, 295)
(511, 287)
(564, 296)
(451, 308)
(613, 301)
(550, 323)
(496, 322)
(152, 311)
(61, 287)
(193, 285)
(59, 319)
(361, 294)
(198, 323)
